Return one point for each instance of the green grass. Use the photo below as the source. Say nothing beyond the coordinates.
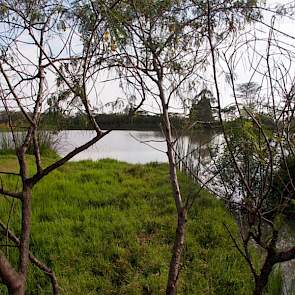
(46, 139)
(107, 228)
(275, 285)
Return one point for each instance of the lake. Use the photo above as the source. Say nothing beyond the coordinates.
(129, 146)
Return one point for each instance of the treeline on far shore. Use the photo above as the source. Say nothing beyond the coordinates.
(137, 121)
(117, 121)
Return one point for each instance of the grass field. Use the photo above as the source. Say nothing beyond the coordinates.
(107, 227)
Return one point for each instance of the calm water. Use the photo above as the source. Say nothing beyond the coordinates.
(124, 145)
(128, 146)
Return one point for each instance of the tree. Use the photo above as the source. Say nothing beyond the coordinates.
(201, 110)
(249, 93)
(162, 50)
(252, 157)
(39, 57)
(229, 112)
(282, 195)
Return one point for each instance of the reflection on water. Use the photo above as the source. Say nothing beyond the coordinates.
(128, 146)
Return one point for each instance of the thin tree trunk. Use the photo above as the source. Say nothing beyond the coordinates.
(262, 279)
(260, 284)
(174, 267)
(26, 228)
(25, 233)
(177, 253)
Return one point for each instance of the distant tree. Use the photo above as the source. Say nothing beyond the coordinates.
(202, 109)
(3, 117)
(249, 94)
(53, 103)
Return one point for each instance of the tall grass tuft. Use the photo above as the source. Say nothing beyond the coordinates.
(47, 143)
(6, 144)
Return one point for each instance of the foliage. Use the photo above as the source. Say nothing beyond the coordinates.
(247, 143)
(282, 196)
(202, 109)
(59, 121)
(249, 94)
(107, 227)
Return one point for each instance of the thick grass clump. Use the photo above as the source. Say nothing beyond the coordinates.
(108, 227)
(47, 143)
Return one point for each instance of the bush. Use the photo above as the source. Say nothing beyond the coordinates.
(282, 194)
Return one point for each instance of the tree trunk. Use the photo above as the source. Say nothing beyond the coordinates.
(174, 267)
(261, 281)
(17, 291)
(176, 255)
(260, 284)
(25, 232)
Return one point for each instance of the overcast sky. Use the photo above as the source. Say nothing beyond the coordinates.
(110, 91)
(244, 72)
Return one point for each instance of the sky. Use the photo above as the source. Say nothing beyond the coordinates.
(244, 71)
(110, 91)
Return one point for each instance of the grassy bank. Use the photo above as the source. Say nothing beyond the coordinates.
(107, 228)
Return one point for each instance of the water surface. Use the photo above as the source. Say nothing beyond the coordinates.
(129, 146)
